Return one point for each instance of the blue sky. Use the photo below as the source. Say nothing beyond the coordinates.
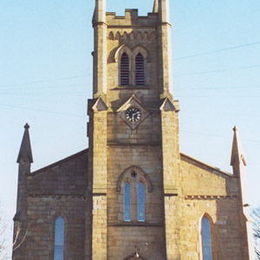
(46, 79)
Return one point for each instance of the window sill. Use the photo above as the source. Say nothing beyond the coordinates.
(135, 224)
(129, 87)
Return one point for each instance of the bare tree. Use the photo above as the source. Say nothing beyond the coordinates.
(2, 239)
(256, 230)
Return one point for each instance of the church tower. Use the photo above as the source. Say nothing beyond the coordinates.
(133, 133)
(132, 194)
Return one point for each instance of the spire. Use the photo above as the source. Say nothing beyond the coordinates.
(237, 156)
(25, 153)
(155, 6)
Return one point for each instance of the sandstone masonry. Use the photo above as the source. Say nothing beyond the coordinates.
(133, 133)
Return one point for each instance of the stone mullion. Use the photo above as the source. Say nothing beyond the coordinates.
(133, 202)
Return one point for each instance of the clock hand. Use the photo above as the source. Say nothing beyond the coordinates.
(133, 116)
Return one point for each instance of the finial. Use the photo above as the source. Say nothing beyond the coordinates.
(26, 126)
(234, 128)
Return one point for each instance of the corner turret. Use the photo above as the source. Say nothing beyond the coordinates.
(24, 160)
(237, 157)
(25, 153)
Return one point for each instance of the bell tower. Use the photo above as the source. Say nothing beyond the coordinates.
(133, 137)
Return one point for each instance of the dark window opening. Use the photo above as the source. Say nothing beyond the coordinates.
(139, 70)
(124, 70)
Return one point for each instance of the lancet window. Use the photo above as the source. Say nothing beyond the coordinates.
(124, 70)
(59, 239)
(127, 202)
(132, 66)
(134, 186)
(206, 238)
(139, 70)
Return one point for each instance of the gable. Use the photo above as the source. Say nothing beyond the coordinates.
(65, 177)
(199, 178)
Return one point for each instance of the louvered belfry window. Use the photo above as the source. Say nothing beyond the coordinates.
(139, 70)
(124, 70)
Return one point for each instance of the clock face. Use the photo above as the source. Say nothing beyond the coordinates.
(133, 114)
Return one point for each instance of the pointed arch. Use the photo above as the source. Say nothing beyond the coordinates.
(120, 50)
(111, 36)
(124, 69)
(141, 49)
(206, 237)
(132, 35)
(125, 36)
(140, 62)
(139, 70)
(134, 186)
(122, 56)
(140, 175)
(118, 36)
(132, 64)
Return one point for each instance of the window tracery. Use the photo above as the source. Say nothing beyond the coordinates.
(134, 186)
(132, 65)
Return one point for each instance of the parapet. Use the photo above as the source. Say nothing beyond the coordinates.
(131, 18)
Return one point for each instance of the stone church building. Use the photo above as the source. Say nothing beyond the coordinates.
(132, 194)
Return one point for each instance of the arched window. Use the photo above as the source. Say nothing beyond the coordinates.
(59, 239)
(134, 186)
(124, 70)
(134, 193)
(139, 70)
(206, 239)
(127, 202)
(140, 197)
